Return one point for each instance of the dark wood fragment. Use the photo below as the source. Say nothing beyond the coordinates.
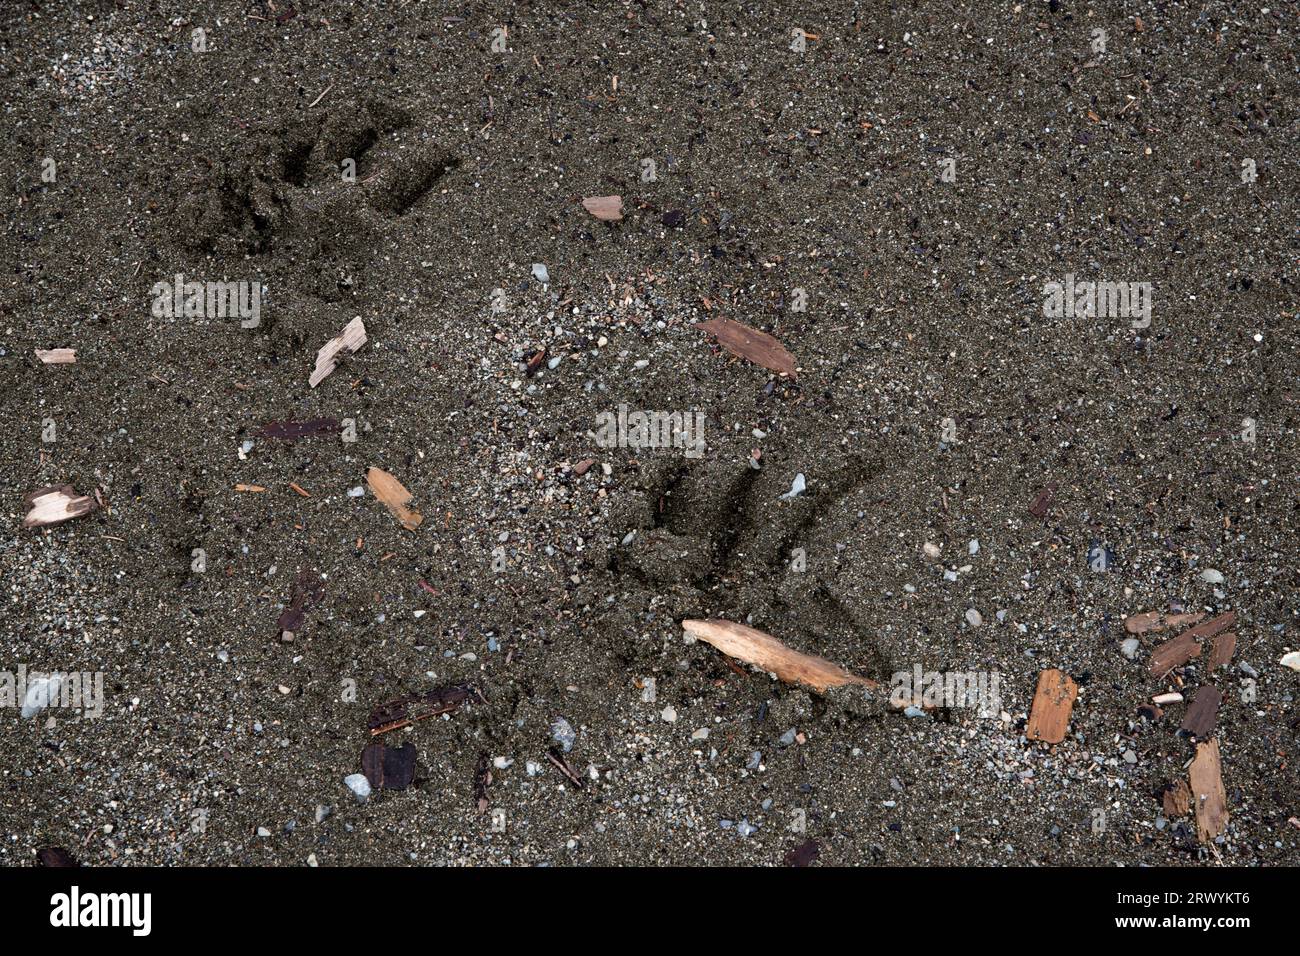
(803, 854)
(1201, 714)
(407, 710)
(55, 856)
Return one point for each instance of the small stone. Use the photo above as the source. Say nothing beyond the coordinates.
(669, 714)
(1291, 660)
(562, 733)
(1130, 757)
(974, 618)
(541, 274)
(974, 546)
(755, 759)
(931, 550)
(745, 828)
(797, 487)
(311, 860)
(359, 786)
(1129, 647)
(263, 832)
(323, 811)
(787, 738)
(701, 734)
(1211, 576)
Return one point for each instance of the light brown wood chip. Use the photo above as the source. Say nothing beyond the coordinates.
(1049, 718)
(604, 208)
(765, 651)
(394, 496)
(1207, 792)
(56, 504)
(1157, 621)
(1187, 645)
(349, 340)
(1221, 650)
(758, 347)
(57, 356)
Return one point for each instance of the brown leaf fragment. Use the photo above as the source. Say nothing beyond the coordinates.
(765, 651)
(392, 768)
(1202, 712)
(394, 496)
(803, 854)
(56, 504)
(349, 340)
(1158, 621)
(534, 363)
(307, 591)
(1042, 501)
(292, 431)
(55, 856)
(407, 710)
(1181, 649)
(57, 356)
(758, 347)
(1177, 799)
(1054, 699)
(604, 208)
(1222, 648)
(1207, 791)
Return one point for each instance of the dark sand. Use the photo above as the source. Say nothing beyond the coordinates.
(776, 171)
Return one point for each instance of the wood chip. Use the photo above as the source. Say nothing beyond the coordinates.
(1049, 718)
(349, 340)
(1202, 712)
(57, 356)
(765, 651)
(392, 768)
(55, 856)
(1158, 621)
(1221, 650)
(604, 208)
(758, 347)
(1177, 800)
(56, 504)
(394, 496)
(243, 487)
(1207, 791)
(1187, 645)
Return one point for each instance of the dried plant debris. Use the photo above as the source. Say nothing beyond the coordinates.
(1179, 650)
(308, 590)
(349, 340)
(292, 431)
(55, 856)
(389, 768)
(556, 757)
(394, 496)
(57, 356)
(1042, 501)
(765, 651)
(1208, 795)
(407, 710)
(1158, 621)
(604, 208)
(751, 344)
(803, 854)
(56, 504)
(1202, 712)
(1049, 717)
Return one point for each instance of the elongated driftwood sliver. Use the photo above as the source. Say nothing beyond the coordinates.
(765, 651)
